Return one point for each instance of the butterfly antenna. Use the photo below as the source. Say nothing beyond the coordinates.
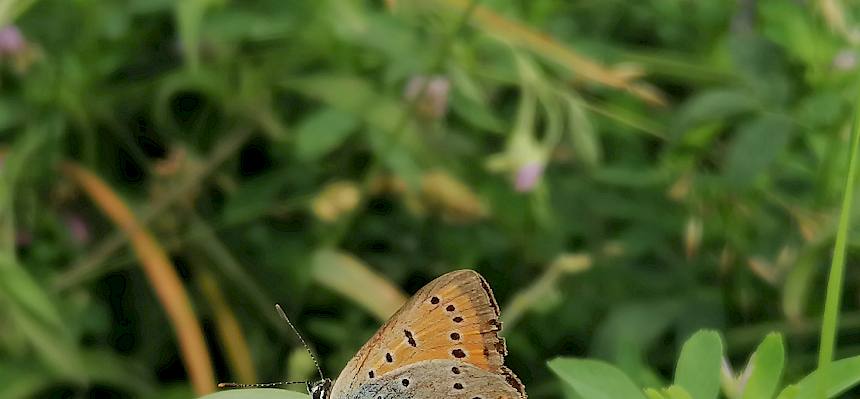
(307, 348)
(265, 385)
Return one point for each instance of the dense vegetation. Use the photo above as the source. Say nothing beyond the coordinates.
(623, 173)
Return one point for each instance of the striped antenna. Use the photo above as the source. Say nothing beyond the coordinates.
(307, 348)
(264, 385)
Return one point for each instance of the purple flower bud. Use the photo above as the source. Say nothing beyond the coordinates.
(11, 40)
(434, 94)
(78, 229)
(528, 176)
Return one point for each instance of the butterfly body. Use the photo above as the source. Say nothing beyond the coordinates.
(443, 342)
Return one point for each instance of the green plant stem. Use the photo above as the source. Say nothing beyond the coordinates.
(837, 265)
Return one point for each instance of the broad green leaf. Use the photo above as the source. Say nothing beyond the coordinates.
(625, 346)
(672, 392)
(255, 197)
(322, 132)
(714, 105)
(56, 349)
(754, 147)
(22, 380)
(20, 288)
(789, 25)
(345, 92)
(593, 379)
(350, 277)
(790, 392)
(676, 392)
(267, 393)
(842, 376)
(698, 369)
(766, 363)
(652, 393)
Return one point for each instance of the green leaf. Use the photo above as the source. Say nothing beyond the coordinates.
(766, 363)
(189, 18)
(714, 105)
(267, 393)
(22, 380)
(626, 346)
(652, 393)
(790, 392)
(754, 147)
(107, 368)
(54, 347)
(842, 375)
(345, 92)
(676, 392)
(322, 132)
(582, 133)
(255, 197)
(20, 288)
(698, 369)
(593, 379)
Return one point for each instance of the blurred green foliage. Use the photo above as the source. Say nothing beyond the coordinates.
(688, 179)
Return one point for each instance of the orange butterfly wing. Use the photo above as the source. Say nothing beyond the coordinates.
(455, 317)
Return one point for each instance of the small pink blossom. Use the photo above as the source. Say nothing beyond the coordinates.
(528, 176)
(434, 94)
(78, 229)
(11, 41)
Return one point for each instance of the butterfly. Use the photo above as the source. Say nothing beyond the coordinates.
(443, 342)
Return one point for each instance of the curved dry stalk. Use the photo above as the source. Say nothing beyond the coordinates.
(159, 271)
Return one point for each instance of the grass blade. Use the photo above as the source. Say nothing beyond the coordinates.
(837, 265)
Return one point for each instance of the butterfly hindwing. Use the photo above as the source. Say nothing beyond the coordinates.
(435, 379)
(453, 318)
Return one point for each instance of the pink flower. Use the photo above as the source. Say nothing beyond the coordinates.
(434, 94)
(11, 40)
(78, 229)
(528, 176)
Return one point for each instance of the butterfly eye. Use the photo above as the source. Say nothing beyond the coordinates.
(370, 374)
(434, 300)
(405, 382)
(458, 385)
(450, 308)
(457, 319)
(388, 358)
(455, 336)
(458, 353)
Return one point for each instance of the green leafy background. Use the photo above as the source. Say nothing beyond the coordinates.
(691, 160)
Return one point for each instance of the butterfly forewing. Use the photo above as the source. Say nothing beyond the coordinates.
(453, 318)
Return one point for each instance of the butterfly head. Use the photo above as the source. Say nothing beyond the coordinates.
(320, 389)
